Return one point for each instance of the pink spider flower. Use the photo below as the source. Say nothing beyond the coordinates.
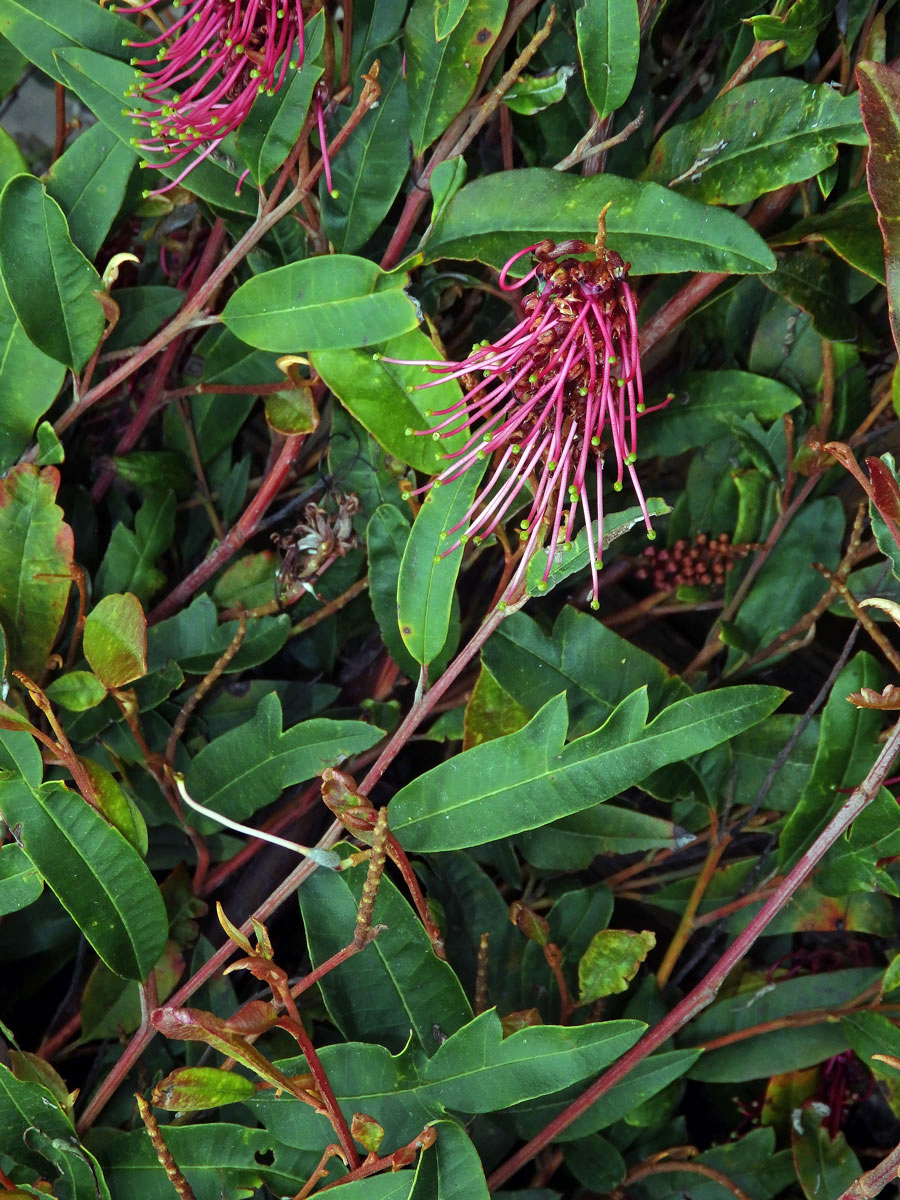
(222, 54)
(555, 401)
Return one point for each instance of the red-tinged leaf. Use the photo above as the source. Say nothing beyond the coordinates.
(885, 492)
(115, 640)
(367, 1132)
(879, 98)
(192, 1088)
(36, 557)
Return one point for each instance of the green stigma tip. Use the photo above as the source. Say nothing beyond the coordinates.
(642, 407)
(595, 604)
(617, 486)
(651, 535)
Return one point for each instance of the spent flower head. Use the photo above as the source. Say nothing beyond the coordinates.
(209, 64)
(554, 401)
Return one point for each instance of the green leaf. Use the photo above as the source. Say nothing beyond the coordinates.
(39, 28)
(656, 229)
(758, 137)
(129, 562)
(814, 283)
(101, 83)
(825, 1165)
(390, 399)
(871, 1033)
(609, 36)
(576, 555)
(115, 640)
(879, 97)
(141, 312)
(611, 961)
(705, 406)
(250, 766)
(798, 28)
(336, 302)
(852, 864)
(850, 229)
(20, 882)
(36, 559)
(88, 182)
(97, 876)
(12, 161)
(386, 537)
(531, 778)
(450, 1169)
(441, 74)
(372, 164)
(77, 691)
(111, 1007)
(478, 1070)
(407, 988)
(195, 639)
(781, 1050)
(533, 666)
(427, 571)
(49, 282)
(190, 1089)
(447, 15)
(573, 843)
(29, 382)
(491, 711)
(531, 94)
(269, 132)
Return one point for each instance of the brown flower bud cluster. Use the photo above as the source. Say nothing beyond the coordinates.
(704, 562)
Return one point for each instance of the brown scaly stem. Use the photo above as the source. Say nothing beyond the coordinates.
(871, 627)
(163, 1153)
(329, 609)
(270, 214)
(239, 533)
(706, 991)
(403, 1157)
(203, 687)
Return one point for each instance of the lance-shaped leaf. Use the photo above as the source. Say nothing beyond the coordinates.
(36, 558)
(40, 28)
(609, 36)
(879, 97)
(531, 777)
(658, 230)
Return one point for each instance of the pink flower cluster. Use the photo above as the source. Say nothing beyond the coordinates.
(554, 402)
(223, 54)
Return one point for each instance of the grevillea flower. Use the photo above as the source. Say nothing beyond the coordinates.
(555, 401)
(222, 54)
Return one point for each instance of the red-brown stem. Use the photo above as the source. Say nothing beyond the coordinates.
(51, 1045)
(872, 1182)
(707, 990)
(239, 533)
(340, 956)
(294, 1027)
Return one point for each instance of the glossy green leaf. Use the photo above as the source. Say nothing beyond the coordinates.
(115, 640)
(29, 382)
(427, 571)
(657, 230)
(850, 229)
(576, 555)
(531, 94)
(88, 182)
(705, 405)
(20, 881)
(49, 282)
(609, 38)
(813, 282)
(111, 1007)
(611, 961)
(798, 26)
(267, 135)
(450, 1169)
(336, 302)
(387, 399)
(531, 778)
(854, 862)
(386, 537)
(12, 64)
(491, 711)
(12, 161)
(397, 987)
(36, 559)
(871, 1033)
(573, 843)
(447, 15)
(441, 74)
(102, 83)
(77, 691)
(40, 28)
(370, 169)
(195, 639)
(141, 312)
(250, 766)
(879, 95)
(129, 562)
(97, 876)
(758, 137)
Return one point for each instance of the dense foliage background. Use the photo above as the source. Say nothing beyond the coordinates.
(602, 898)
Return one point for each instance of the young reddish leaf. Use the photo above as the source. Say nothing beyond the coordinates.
(611, 961)
(36, 556)
(367, 1132)
(191, 1088)
(879, 98)
(885, 492)
(115, 640)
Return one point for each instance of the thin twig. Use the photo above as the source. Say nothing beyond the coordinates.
(583, 150)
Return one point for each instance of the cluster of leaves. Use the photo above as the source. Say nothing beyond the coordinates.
(591, 916)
